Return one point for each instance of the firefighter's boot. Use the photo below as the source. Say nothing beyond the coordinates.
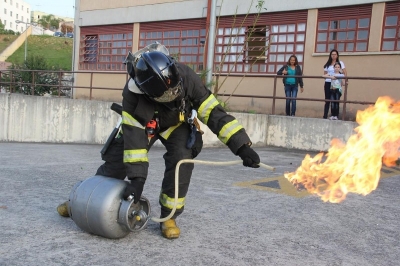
(169, 229)
(62, 209)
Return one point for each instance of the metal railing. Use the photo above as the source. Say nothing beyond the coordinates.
(11, 81)
(58, 83)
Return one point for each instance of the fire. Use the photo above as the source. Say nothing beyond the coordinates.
(354, 167)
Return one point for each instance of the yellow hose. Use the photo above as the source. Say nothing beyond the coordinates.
(160, 220)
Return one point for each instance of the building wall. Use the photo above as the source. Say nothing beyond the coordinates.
(12, 10)
(92, 12)
(372, 63)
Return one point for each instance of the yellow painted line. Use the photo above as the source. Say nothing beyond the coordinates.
(287, 188)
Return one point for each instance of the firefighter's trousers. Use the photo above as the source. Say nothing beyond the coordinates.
(176, 151)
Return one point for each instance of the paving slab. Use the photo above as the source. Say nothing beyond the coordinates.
(233, 216)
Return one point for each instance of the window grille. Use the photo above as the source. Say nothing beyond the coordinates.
(105, 47)
(391, 27)
(345, 29)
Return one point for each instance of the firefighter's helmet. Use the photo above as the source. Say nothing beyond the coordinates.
(157, 76)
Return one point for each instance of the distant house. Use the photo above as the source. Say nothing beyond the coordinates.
(37, 15)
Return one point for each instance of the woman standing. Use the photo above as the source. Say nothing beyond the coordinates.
(336, 90)
(291, 83)
(329, 70)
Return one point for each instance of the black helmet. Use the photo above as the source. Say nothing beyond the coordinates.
(157, 76)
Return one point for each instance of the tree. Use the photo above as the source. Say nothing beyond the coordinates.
(66, 28)
(45, 82)
(49, 22)
(1, 27)
(4, 31)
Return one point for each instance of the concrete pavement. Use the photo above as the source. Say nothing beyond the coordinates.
(233, 215)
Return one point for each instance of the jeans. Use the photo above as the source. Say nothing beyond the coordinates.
(327, 90)
(335, 95)
(291, 91)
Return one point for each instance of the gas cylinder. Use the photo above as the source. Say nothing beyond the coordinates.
(97, 207)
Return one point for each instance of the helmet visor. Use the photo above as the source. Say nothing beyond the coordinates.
(171, 94)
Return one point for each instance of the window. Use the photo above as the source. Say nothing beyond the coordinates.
(16, 4)
(22, 18)
(91, 49)
(285, 40)
(10, 24)
(27, 10)
(105, 48)
(5, 11)
(185, 41)
(345, 29)
(10, 13)
(10, 2)
(263, 48)
(16, 16)
(391, 27)
(5, 22)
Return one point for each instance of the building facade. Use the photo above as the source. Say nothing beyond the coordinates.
(252, 37)
(13, 10)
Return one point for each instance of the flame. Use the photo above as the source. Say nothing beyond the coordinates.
(354, 167)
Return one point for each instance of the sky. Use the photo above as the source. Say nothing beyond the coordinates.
(62, 8)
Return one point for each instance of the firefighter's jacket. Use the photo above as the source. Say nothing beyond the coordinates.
(138, 110)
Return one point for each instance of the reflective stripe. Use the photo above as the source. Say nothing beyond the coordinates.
(133, 156)
(165, 134)
(169, 202)
(206, 107)
(228, 130)
(127, 119)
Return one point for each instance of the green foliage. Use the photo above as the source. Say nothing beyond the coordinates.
(260, 4)
(11, 32)
(4, 31)
(56, 51)
(25, 77)
(49, 22)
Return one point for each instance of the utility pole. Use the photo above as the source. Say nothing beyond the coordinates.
(26, 34)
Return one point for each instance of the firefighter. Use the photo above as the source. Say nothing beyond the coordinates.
(166, 91)
(157, 101)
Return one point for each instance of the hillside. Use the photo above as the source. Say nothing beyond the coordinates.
(57, 51)
(6, 40)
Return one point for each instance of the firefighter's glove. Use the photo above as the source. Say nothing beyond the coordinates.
(249, 156)
(135, 187)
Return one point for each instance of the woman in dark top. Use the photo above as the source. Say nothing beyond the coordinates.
(291, 83)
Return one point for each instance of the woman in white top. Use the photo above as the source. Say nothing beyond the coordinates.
(330, 70)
